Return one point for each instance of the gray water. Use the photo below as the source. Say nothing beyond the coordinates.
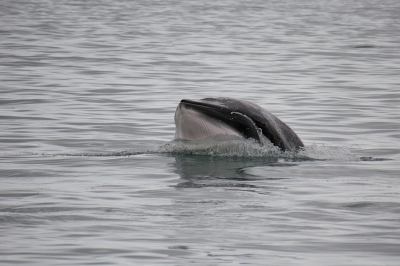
(89, 173)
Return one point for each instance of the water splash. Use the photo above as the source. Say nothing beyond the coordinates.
(322, 152)
(222, 146)
(234, 147)
(230, 146)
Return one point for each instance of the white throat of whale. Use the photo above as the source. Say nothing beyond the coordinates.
(192, 125)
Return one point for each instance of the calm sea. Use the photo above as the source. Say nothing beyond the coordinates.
(89, 174)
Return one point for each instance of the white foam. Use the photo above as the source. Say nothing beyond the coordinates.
(220, 145)
(322, 152)
(232, 146)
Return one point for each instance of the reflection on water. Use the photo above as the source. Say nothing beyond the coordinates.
(208, 167)
(202, 171)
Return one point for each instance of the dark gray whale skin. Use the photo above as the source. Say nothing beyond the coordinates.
(247, 118)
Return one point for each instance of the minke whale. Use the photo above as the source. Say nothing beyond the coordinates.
(199, 119)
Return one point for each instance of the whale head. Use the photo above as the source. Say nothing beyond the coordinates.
(199, 119)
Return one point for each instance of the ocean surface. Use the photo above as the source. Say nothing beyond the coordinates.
(90, 173)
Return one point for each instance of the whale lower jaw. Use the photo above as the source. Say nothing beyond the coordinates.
(192, 125)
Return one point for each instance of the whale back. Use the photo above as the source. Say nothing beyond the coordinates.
(274, 129)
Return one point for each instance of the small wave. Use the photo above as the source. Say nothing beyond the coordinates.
(364, 46)
(372, 159)
(229, 146)
(109, 154)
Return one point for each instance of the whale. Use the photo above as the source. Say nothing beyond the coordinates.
(208, 117)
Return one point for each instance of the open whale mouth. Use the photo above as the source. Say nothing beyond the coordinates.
(227, 116)
(202, 119)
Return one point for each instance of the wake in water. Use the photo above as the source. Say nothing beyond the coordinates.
(232, 147)
(229, 146)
